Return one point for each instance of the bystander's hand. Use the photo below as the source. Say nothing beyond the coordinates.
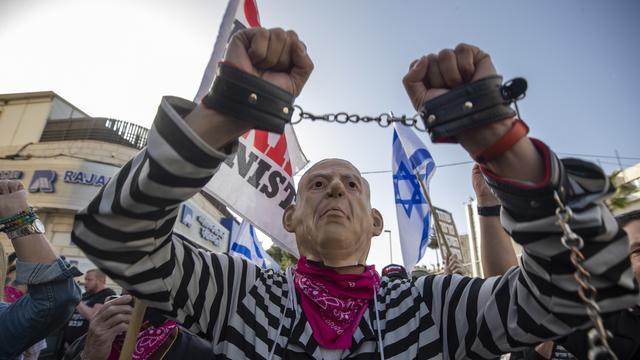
(110, 321)
(453, 265)
(13, 198)
(484, 195)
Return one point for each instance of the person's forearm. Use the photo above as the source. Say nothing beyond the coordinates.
(522, 162)
(216, 129)
(497, 251)
(34, 248)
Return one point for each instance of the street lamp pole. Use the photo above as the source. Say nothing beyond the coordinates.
(390, 247)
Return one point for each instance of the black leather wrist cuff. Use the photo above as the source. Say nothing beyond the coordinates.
(489, 210)
(475, 104)
(249, 98)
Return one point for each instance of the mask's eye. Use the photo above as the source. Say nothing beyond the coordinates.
(317, 184)
(353, 185)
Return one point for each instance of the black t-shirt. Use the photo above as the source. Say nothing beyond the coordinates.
(78, 325)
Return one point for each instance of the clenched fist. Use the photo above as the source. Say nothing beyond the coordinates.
(275, 55)
(13, 198)
(435, 74)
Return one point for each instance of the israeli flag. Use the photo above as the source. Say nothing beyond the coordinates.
(410, 155)
(244, 242)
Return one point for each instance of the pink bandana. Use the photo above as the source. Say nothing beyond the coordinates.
(334, 303)
(149, 341)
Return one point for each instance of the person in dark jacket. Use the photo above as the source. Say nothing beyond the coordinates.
(52, 295)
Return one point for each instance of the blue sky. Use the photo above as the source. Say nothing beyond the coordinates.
(117, 59)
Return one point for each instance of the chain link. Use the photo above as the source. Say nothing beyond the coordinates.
(598, 335)
(383, 120)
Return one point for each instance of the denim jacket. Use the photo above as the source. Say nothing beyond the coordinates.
(52, 297)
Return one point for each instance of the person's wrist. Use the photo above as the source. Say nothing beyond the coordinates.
(522, 162)
(478, 139)
(487, 201)
(214, 127)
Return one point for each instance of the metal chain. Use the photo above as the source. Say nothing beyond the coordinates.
(598, 335)
(383, 120)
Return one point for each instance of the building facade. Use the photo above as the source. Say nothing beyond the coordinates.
(63, 157)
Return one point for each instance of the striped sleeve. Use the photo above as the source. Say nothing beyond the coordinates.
(483, 318)
(126, 230)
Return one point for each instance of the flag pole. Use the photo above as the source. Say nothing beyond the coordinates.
(439, 232)
(132, 332)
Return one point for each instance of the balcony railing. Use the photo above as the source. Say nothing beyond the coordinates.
(100, 129)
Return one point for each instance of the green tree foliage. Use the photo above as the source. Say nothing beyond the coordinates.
(620, 199)
(283, 258)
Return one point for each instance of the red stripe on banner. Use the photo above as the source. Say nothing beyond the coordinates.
(251, 13)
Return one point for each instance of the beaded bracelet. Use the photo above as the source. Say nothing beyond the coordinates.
(17, 220)
(21, 222)
(13, 217)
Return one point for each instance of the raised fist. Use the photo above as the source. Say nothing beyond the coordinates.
(275, 55)
(13, 198)
(435, 74)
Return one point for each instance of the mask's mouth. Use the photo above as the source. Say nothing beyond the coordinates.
(334, 211)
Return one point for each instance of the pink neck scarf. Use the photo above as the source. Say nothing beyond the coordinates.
(334, 303)
(149, 341)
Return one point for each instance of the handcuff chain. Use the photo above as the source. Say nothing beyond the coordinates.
(383, 120)
(598, 336)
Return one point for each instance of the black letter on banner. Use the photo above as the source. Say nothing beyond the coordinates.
(244, 164)
(273, 181)
(291, 194)
(263, 167)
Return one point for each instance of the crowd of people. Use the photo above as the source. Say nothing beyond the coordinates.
(331, 304)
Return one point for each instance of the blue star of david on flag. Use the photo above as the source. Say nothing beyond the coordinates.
(408, 178)
(411, 157)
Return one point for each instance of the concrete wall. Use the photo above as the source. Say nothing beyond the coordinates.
(22, 121)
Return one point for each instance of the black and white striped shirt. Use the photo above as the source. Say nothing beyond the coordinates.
(127, 231)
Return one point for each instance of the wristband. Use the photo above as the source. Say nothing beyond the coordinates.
(517, 131)
(250, 99)
(489, 210)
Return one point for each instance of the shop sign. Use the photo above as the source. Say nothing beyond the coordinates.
(85, 178)
(210, 230)
(11, 174)
(43, 181)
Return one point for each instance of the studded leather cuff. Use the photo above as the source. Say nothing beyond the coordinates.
(475, 104)
(249, 98)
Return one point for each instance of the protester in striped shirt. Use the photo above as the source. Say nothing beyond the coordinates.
(332, 305)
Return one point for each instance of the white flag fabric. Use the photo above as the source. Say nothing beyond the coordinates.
(414, 216)
(258, 182)
(244, 242)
